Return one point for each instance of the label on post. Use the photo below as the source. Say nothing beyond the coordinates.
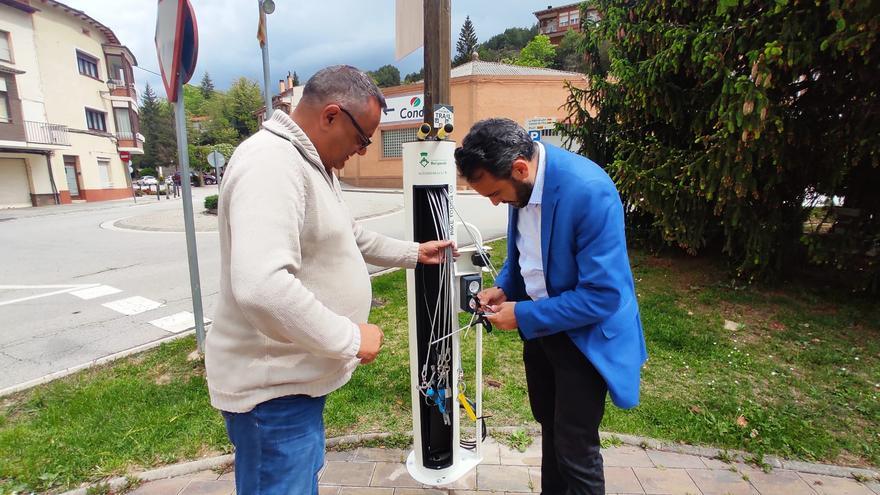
(442, 115)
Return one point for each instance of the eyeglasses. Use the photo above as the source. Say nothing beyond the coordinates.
(365, 140)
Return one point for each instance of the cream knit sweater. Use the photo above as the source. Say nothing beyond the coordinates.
(293, 280)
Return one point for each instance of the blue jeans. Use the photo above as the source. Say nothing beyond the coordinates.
(279, 446)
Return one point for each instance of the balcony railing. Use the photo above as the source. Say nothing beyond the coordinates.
(119, 87)
(46, 133)
(130, 139)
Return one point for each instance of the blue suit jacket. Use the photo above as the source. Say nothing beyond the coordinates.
(589, 283)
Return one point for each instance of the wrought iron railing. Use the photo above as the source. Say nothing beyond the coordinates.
(46, 133)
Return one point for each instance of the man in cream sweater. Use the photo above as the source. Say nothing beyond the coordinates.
(291, 324)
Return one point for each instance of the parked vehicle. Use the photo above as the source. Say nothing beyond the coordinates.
(210, 179)
(193, 178)
(148, 180)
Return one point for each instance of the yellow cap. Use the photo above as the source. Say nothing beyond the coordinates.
(423, 132)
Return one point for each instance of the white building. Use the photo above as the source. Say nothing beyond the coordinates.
(68, 106)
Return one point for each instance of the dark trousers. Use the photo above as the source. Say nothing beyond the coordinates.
(567, 396)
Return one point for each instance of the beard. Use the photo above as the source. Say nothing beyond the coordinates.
(523, 193)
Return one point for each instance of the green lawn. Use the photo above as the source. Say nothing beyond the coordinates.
(799, 378)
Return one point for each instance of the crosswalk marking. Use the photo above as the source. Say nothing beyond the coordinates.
(96, 292)
(178, 322)
(133, 305)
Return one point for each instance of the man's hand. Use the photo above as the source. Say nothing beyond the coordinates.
(504, 317)
(371, 342)
(434, 252)
(491, 297)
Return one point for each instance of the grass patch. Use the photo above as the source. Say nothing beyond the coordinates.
(799, 378)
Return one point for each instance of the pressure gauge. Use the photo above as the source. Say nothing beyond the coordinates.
(474, 286)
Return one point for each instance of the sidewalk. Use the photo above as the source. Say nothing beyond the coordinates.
(628, 470)
(363, 205)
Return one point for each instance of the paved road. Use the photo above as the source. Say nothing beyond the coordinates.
(77, 284)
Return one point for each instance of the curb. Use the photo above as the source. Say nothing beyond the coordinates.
(645, 443)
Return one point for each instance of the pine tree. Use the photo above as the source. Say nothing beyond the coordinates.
(207, 86)
(295, 79)
(466, 44)
(157, 126)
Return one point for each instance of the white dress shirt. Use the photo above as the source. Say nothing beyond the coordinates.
(528, 238)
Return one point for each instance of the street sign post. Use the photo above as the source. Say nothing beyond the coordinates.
(177, 47)
(216, 160)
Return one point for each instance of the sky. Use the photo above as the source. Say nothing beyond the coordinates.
(304, 35)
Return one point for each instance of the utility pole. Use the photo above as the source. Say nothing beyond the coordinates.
(438, 64)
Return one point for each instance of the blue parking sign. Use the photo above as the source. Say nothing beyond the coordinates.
(535, 135)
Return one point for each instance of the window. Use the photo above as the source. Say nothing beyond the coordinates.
(5, 116)
(95, 120)
(391, 141)
(116, 68)
(104, 173)
(563, 19)
(88, 65)
(573, 17)
(123, 123)
(5, 47)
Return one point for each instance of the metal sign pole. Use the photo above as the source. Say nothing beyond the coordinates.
(188, 223)
(265, 49)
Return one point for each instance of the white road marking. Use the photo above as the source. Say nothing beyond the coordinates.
(178, 322)
(95, 292)
(61, 290)
(133, 305)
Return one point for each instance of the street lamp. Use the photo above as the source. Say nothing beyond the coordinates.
(265, 7)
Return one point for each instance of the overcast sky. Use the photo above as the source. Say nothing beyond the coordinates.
(304, 35)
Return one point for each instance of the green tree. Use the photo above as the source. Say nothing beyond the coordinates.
(218, 129)
(295, 79)
(718, 120)
(466, 44)
(414, 76)
(507, 44)
(386, 76)
(537, 53)
(570, 52)
(244, 99)
(157, 126)
(207, 87)
(193, 100)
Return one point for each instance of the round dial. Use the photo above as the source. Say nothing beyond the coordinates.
(474, 287)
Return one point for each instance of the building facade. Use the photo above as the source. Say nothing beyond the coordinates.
(555, 21)
(478, 90)
(68, 106)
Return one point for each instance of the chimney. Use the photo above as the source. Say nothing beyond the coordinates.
(281, 85)
(289, 80)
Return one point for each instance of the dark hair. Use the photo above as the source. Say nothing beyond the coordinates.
(492, 145)
(342, 84)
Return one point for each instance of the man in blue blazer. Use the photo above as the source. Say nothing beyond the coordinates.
(567, 286)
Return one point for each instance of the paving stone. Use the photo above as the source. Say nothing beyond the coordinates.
(777, 482)
(340, 455)
(209, 487)
(348, 490)
(535, 477)
(348, 473)
(381, 455)
(466, 482)
(328, 490)
(721, 482)
(509, 478)
(491, 451)
(419, 491)
(626, 456)
(666, 481)
(874, 485)
(621, 480)
(227, 476)
(170, 486)
(832, 485)
(393, 474)
(715, 463)
(531, 456)
(674, 460)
